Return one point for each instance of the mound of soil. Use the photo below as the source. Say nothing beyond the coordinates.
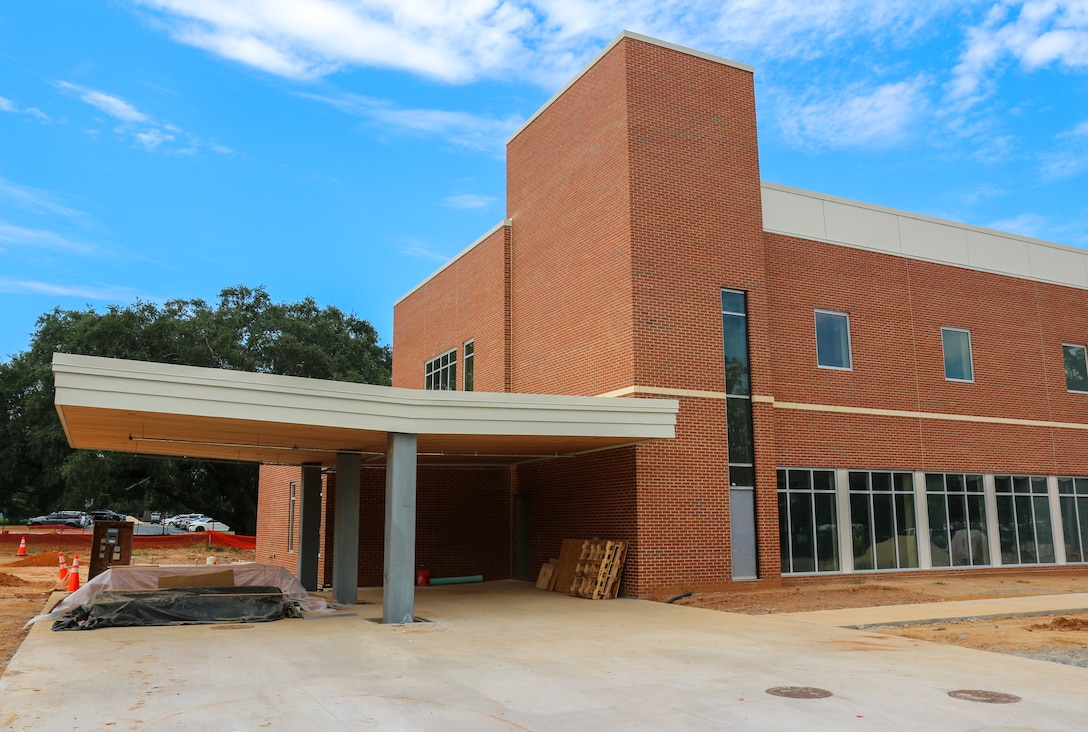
(1063, 624)
(10, 580)
(48, 559)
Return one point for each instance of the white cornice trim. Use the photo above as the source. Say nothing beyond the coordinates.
(838, 409)
(910, 414)
(844, 222)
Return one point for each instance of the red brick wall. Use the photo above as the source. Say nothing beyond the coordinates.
(580, 498)
(697, 228)
(568, 199)
(897, 307)
(273, 499)
(463, 523)
(465, 301)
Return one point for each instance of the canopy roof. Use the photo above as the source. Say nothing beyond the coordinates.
(162, 409)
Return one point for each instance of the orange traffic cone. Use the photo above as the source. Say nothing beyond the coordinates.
(22, 548)
(73, 574)
(63, 565)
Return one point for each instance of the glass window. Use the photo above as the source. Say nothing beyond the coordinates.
(883, 520)
(1023, 520)
(1073, 499)
(470, 359)
(957, 520)
(807, 521)
(957, 354)
(441, 372)
(833, 340)
(1076, 367)
(738, 402)
(291, 509)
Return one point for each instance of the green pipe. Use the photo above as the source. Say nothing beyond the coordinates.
(457, 580)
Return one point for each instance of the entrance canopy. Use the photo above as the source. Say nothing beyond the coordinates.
(162, 409)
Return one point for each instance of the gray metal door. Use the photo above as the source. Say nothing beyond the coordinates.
(742, 529)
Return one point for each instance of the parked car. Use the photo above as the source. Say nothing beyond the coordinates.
(75, 519)
(105, 514)
(155, 517)
(207, 524)
(181, 521)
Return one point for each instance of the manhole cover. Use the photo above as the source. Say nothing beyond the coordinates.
(799, 692)
(984, 697)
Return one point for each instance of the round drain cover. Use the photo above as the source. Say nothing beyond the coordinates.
(984, 697)
(799, 692)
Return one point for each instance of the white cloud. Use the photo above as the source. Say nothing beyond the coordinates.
(141, 128)
(540, 40)
(469, 201)
(112, 294)
(35, 199)
(1042, 33)
(1070, 159)
(23, 237)
(6, 105)
(111, 105)
(857, 118)
(152, 138)
(1026, 224)
(415, 248)
(460, 128)
(37, 114)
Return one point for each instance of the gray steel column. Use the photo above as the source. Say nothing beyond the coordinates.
(309, 527)
(398, 597)
(345, 557)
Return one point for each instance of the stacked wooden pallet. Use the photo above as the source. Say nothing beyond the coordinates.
(598, 569)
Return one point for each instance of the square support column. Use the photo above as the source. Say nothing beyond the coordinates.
(309, 527)
(398, 597)
(345, 558)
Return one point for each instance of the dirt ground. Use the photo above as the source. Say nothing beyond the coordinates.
(1063, 638)
(27, 582)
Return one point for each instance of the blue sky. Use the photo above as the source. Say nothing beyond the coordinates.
(344, 149)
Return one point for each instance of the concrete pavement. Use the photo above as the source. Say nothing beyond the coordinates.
(505, 656)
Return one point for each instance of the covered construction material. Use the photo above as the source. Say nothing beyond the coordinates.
(180, 606)
(246, 577)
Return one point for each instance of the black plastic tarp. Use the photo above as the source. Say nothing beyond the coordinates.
(186, 606)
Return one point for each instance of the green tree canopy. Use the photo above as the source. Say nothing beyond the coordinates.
(244, 331)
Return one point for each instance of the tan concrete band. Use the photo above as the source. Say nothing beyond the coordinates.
(838, 409)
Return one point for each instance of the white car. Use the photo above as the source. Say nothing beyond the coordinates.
(207, 524)
(182, 520)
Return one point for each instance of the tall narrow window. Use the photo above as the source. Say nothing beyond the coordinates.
(1073, 499)
(292, 503)
(957, 520)
(1076, 367)
(440, 373)
(833, 340)
(1023, 519)
(808, 521)
(883, 521)
(470, 358)
(957, 354)
(741, 441)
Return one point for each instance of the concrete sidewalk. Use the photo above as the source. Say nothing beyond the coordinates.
(505, 656)
(935, 612)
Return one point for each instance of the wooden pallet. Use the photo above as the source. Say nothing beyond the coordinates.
(598, 570)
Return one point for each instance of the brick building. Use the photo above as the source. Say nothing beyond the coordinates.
(860, 389)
